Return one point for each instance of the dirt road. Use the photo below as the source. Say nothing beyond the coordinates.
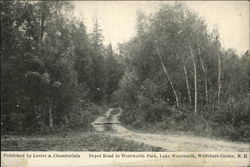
(166, 142)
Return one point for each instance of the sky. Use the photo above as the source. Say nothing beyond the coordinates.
(117, 19)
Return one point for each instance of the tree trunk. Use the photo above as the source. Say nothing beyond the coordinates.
(204, 73)
(42, 30)
(168, 77)
(195, 78)
(43, 16)
(219, 80)
(226, 94)
(186, 78)
(50, 117)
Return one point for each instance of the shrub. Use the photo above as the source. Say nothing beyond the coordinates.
(84, 115)
(230, 122)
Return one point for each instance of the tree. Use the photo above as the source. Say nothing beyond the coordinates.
(204, 73)
(169, 79)
(98, 80)
(114, 72)
(195, 78)
(41, 77)
(186, 79)
(219, 70)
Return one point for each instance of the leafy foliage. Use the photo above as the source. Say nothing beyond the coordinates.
(55, 74)
(146, 93)
(52, 70)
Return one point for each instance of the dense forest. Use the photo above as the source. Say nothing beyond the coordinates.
(54, 74)
(179, 77)
(172, 75)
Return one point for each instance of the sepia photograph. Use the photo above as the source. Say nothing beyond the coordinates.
(125, 76)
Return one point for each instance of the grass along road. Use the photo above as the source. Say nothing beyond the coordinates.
(166, 142)
(73, 141)
(110, 135)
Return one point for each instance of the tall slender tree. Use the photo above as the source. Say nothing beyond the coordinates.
(168, 77)
(195, 78)
(186, 79)
(219, 70)
(204, 73)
